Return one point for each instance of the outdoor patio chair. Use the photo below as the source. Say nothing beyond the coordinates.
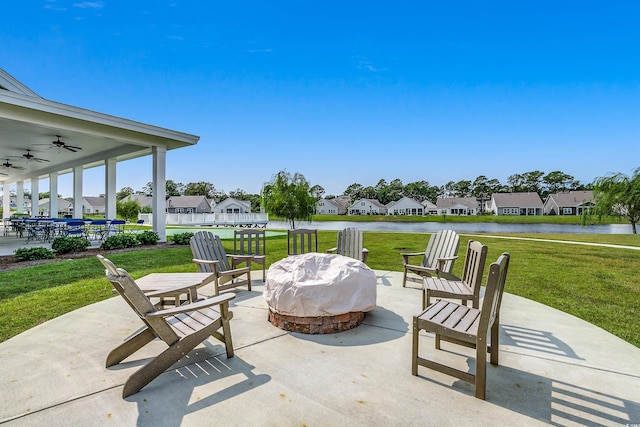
(210, 256)
(350, 244)
(466, 289)
(136, 227)
(437, 259)
(182, 328)
(466, 326)
(251, 242)
(302, 241)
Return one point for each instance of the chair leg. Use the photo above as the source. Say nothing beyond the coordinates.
(481, 369)
(404, 278)
(426, 298)
(130, 346)
(414, 351)
(162, 362)
(495, 342)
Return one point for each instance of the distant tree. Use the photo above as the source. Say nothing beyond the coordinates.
(238, 194)
(128, 210)
(288, 196)
(147, 190)
(354, 191)
(557, 182)
(174, 188)
(124, 193)
(201, 189)
(462, 188)
(618, 195)
(418, 190)
(368, 193)
(448, 190)
(317, 191)
(515, 183)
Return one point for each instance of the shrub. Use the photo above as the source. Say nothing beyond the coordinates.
(65, 245)
(148, 238)
(32, 254)
(119, 241)
(181, 238)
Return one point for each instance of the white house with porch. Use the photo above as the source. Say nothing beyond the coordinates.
(80, 139)
(457, 206)
(515, 204)
(405, 206)
(367, 207)
(569, 203)
(233, 206)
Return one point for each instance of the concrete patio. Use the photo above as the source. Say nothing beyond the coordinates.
(554, 369)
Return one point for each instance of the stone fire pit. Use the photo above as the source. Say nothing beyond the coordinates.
(319, 293)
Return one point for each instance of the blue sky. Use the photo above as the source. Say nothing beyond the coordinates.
(345, 92)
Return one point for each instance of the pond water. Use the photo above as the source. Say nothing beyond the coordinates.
(472, 227)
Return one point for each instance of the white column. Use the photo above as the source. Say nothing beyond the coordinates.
(53, 194)
(6, 200)
(159, 192)
(20, 196)
(110, 189)
(35, 196)
(77, 192)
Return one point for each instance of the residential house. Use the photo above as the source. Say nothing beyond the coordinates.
(232, 206)
(569, 203)
(429, 207)
(93, 205)
(335, 206)
(367, 207)
(143, 201)
(65, 208)
(515, 204)
(405, 206)
(188, 204)
(457, 206)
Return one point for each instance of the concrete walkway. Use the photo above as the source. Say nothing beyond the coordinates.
(554, 369)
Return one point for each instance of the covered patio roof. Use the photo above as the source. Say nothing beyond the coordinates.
(30, 122)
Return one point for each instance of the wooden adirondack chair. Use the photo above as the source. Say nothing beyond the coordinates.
(302, 241)
(251, 242)
(465, 326)
(466, 289)
(182, 328)
(350, 244)
(210, 256)
(437, 259)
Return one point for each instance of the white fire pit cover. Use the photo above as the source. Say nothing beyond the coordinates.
(317, 284)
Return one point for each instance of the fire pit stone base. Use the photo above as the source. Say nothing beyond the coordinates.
(316, 324)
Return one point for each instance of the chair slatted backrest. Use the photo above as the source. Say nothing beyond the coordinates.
(301, 241)
(249, 242)
(137, 300)
(493, 293)
(474, 263)
(208, 246)
(350, 243)
(443, 244)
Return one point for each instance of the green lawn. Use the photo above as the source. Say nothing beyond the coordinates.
(598, 284)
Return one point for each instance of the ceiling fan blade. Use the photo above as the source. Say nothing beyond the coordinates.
(72, 148)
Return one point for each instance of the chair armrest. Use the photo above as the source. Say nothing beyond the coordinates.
(406, 255)
(217, 300)
(332, 250)
(206, 261)
(234, 272)
(241, 257)
(171, 291)
(421, 269)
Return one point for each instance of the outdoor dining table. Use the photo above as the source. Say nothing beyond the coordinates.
(174, 284)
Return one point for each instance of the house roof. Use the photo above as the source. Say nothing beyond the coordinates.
(374, 202)
(428, 204)
(449, 202)
(403, 199)
(231, 201)
(185, 201)
(572, 198)
(530, 199)
(95, 201)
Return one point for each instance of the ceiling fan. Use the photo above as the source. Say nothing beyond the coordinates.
(6, 164)
(62, 144)
(29, 157)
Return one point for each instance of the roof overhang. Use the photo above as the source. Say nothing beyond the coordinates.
(29, 122)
